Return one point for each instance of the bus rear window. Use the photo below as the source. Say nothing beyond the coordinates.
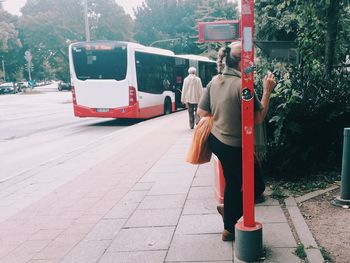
(100, 63)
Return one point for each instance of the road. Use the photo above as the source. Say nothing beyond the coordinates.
(40, 126)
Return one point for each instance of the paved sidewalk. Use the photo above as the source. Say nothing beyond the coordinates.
(129, 197)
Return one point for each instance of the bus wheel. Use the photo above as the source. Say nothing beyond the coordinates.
(167, 106)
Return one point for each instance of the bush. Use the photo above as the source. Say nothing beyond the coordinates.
(307, 116)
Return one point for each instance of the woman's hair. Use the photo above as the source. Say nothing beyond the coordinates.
(225, 57)
(192, 70)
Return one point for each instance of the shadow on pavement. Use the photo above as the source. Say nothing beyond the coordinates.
(117, 122)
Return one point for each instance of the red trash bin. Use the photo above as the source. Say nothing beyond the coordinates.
(220, 182)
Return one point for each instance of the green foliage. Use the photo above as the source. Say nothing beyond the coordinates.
(10, 44)
(326, 255)
(306, 22)
(170, 19)
(47, 27)
(307, 115)
(277, 192)
(276, 20)
(300, 251)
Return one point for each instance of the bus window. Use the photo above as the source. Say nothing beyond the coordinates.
(90, 63)
(154, 72)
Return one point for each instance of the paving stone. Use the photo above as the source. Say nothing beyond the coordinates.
(134, 197)
(44, 261)
(271, 214)
(87, 252)
(199, 248)
(183, 169)
(46, 234)
(203, 180)
(278, 235)
(268, 201)
(166, 188)
(136, 239)
(142, 186)
(200, 206)
(149, 177)
(200, 224)
(53, 252)
(132, 257)
(24, 252)
(284, 255)
(154, 217)
(105, 229)
(4, 250)
(121, 210)
(202, 192)
(164, 201)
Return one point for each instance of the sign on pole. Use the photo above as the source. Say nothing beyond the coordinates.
(28, 58)
(218, 31)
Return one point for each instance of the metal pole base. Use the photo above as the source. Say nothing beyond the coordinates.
(248, 243)
(340, 202)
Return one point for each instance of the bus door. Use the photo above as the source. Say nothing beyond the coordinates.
(181, 67)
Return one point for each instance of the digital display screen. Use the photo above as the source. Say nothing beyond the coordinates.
(218, 31)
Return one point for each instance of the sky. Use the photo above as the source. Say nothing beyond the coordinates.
(14, 6)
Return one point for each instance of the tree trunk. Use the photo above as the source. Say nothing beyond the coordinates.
(332, 17)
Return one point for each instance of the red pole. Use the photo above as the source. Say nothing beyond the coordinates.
(249, 241)
(247, 31)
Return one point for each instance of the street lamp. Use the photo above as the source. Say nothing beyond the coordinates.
(87, 28)
(164, 40)
(3, 68)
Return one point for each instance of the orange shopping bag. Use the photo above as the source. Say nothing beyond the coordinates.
(220, 182)
(199, 151)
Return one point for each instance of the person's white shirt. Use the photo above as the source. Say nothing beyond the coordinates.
(192, 89)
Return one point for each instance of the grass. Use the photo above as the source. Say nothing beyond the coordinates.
(326, 255)
(277, 192)
(300, 251)
(301, 186)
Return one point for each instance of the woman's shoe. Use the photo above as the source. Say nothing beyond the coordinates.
(227, 236)
(220, 209)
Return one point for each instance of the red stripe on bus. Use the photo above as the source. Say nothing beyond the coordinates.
(123, 112)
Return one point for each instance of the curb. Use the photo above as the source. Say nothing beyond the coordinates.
(305, 236)
(313, 194)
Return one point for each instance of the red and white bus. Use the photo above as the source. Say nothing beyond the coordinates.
(114, 79)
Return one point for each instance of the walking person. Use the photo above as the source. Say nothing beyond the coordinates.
(222, 100)
(191, 94)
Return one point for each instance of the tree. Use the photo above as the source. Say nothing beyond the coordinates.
(332, 16)
(320, 27)
(47, 27)
(10, 45)
(210, 11)
(169, 19)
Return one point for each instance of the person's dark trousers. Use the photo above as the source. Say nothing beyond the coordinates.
(231, 161)
(192, 112)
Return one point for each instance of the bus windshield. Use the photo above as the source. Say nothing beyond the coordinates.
(100, 61)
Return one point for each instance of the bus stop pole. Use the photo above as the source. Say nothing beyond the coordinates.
(344, 198)
(248, 244)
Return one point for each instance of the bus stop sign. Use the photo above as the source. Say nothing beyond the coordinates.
(218, 31)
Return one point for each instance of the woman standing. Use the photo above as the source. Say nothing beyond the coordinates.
(222, 100)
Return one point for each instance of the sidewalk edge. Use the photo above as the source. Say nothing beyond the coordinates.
(305, 236)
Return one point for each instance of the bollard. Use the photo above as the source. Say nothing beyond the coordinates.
(344, 198)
